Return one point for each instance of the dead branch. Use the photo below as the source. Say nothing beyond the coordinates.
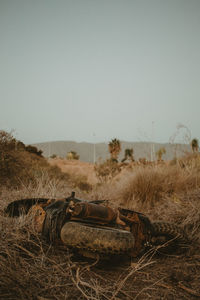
(190, 291)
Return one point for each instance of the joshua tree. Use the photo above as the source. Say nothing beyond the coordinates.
(72, 155)
(160, 153)
(114, 148)
(195, 145)
(128, 154)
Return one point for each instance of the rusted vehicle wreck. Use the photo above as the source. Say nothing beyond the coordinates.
(95, 227)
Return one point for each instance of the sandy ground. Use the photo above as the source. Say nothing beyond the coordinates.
(76, 167)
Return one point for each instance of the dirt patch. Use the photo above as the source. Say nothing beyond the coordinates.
(76, 168)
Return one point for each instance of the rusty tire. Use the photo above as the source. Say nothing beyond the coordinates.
(22, 206)
(169, 232)
(98, 239)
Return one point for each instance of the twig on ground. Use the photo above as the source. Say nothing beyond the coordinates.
(148, 287)
(190, 291)
(140, 265)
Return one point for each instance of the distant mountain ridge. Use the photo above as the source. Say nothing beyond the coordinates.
(89, 152)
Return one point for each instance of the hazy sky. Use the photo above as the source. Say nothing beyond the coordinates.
(92, 70)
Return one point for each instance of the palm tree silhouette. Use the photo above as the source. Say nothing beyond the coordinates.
(194, 145)
(114, 147)
(128, 154)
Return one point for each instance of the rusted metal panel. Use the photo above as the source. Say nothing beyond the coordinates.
(92, 211)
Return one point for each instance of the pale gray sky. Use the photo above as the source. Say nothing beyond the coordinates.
(72, 69)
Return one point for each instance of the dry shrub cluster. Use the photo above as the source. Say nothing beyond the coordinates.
(24, 165)
(107, 170)
(190, 162)
(164, 192)
(149, 185)
(81, 182)
(20, 164)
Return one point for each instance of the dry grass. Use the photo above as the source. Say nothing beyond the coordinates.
(76, 168)
(32, 269)
(149, 185)
(164, 192)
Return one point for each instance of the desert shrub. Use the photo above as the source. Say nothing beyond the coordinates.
(84, 186)
(160, 153)
(173, 162)
(128, 155)
(10, 166)
(11, 161)
(145, 185)
(20, 165)
(34, 150)
(107, 170)
(80, 181)
(149, 185)
(72, 155)
(142, 161)
(191, 213)
(194, 145)
(190, 161)
(7, 142)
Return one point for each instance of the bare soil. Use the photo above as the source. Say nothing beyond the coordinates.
(76, 168)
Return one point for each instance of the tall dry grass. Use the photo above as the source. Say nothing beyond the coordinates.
(149, 185)
(32, 269)
(164, 192)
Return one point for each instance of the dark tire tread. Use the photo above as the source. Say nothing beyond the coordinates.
(171, 231)
(97, 238)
